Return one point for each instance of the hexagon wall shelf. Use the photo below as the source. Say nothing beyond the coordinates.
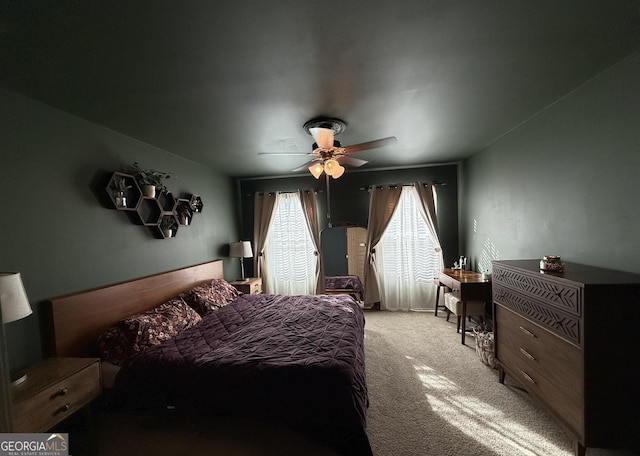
(125, 195)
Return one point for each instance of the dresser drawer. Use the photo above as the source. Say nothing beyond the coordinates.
(564, 324)
(561, 296)
(547, 365)
(41, 411)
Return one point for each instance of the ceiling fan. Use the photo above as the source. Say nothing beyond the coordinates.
(328, 154)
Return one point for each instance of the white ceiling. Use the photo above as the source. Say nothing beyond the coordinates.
(219, 82)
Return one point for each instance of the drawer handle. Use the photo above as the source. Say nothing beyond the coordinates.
(527, 332)
(64, 408)
(528, 377)
(527, 354)
(63, 391)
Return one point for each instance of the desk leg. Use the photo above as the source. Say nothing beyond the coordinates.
(437, 298)
(463, 317)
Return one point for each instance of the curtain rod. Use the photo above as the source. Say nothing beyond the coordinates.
(273, 193)
(398, 185)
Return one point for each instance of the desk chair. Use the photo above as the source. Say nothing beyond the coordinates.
(454, 306)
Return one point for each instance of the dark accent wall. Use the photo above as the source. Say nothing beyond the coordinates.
(565, 182)
(349, 198)
(55, 229)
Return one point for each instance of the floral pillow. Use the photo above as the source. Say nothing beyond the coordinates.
(210, 296)
(133, 334)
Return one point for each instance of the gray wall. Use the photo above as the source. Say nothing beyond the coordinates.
(565, 182)
(55, 229)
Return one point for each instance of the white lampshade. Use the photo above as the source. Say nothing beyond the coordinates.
(13, 297)
(339, 171)
(316, 169)
(240, 249)
(331, 166)
(323, 137)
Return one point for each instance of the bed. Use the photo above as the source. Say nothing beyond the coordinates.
(298, 360)
(345, 284)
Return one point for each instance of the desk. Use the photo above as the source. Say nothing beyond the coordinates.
(467, 286)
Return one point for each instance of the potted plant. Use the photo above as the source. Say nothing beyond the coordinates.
(184, 214)
(167, 225)
(120, 187)
(150, 180)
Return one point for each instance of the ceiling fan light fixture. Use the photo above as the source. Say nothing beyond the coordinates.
(323, 137)
(331, 166)
(316, 169)
(338, 172)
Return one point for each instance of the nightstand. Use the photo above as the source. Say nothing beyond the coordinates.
(53, 390)
(252, 285)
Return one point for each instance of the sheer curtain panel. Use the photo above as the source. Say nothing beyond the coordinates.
(409, 253)
(290, 258)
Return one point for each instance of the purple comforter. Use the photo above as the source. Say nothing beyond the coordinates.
(297, 359)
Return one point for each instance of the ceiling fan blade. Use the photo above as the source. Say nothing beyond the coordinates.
(323, 137)
(305, 166)
(370, 145)
(283, 153)
(351, 161)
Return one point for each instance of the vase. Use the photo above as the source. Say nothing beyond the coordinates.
(149, 191)
(167, 233)
(121, 200)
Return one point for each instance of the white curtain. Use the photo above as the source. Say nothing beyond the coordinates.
(408, 254)
(289, 255)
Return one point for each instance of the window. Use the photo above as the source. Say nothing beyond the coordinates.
(290, 258)
(406, 258)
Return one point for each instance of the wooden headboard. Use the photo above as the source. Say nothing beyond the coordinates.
(79, 318)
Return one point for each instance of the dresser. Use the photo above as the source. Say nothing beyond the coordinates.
(252, 285)
(570, 339)
(53, 390)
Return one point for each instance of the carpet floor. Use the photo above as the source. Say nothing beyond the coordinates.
(429, 395)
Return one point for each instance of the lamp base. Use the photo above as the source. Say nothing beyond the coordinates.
(242, 280)
(17, 377)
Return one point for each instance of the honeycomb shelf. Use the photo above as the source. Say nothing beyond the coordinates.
(124, 194)
(149, 211)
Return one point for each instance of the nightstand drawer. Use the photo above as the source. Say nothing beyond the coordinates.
(256, 287)
(252, 285)
(40, 406)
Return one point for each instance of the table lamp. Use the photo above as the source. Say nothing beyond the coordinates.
(14, 305)
(241, 250)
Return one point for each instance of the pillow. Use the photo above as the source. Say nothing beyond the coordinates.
(210, 296)
(133, 334)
